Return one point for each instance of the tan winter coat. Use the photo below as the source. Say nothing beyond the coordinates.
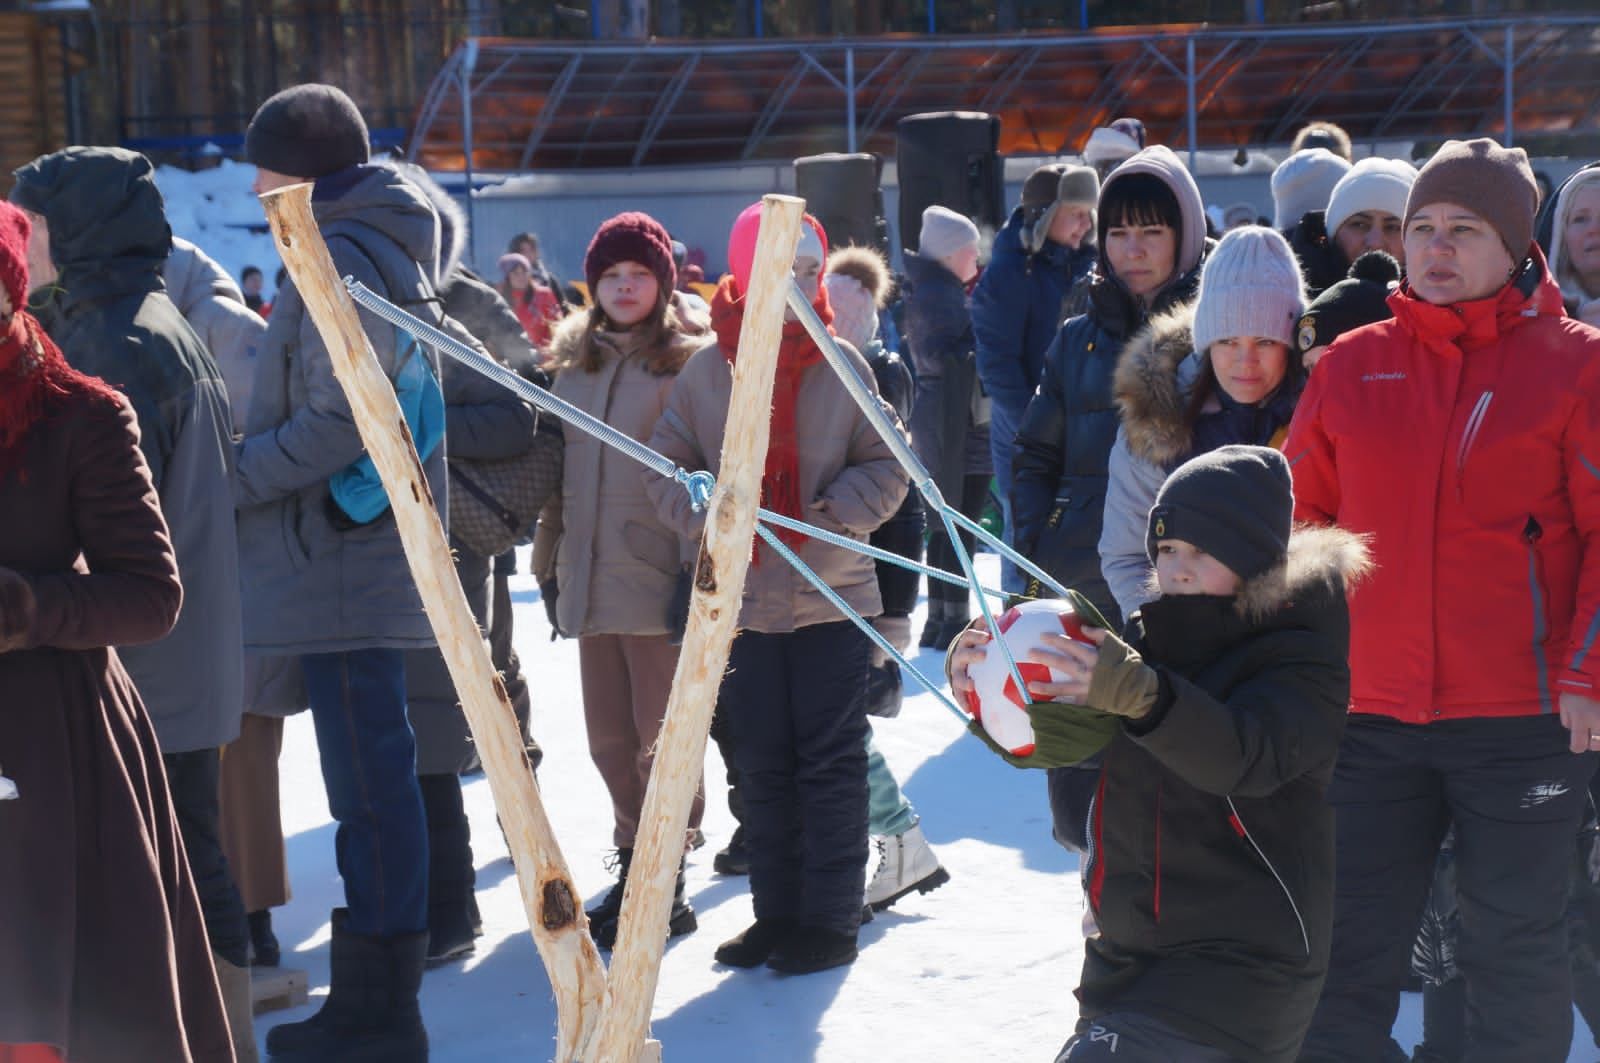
(846, 469)
(615, 562)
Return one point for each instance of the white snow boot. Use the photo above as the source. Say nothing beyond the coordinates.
(905, 863)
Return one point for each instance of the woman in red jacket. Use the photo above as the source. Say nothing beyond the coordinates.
(1463, 437)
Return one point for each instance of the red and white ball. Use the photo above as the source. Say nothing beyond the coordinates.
(995, 702)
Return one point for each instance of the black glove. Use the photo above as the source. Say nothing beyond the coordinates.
(678, 606)
(548, 593)
(17, 610)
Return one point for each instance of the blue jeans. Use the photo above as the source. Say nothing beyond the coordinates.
(369, 766)
(1002, 442)
(889, 814)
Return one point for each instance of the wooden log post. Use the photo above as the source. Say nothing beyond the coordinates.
(713, 619)
(555, 911)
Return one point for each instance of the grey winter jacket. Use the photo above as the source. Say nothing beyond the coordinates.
(483, 421)
(214, 307)
(1139, 465)
(110, 314)
(315, 587)
(1156, 375)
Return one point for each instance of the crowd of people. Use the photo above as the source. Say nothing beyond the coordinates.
(1323, 487)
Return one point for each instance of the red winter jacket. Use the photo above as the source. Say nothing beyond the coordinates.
(1465, 440)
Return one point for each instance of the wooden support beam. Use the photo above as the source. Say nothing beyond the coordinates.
(713, 620)
(553, 903)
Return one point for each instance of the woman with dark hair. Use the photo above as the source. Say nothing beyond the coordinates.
(1152, 239)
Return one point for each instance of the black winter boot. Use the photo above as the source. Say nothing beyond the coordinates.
(751, 948)
(681, 921)
(934, 626)
(452, 908)
(813, 948)
(371, 1015)
(734, 859)
(264, 950)
(610, 907)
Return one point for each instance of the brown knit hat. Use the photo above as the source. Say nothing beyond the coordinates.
(1494, 183)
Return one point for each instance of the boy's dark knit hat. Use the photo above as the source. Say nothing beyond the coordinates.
(1236, 503)
(308, 131)
(1359, 299)
(1495, 183)
(631, 237)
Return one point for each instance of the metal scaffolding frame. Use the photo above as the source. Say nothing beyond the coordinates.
(506, 105)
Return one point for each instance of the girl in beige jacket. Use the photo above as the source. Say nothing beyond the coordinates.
(606, 564)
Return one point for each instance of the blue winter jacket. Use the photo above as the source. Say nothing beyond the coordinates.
(1016, 310)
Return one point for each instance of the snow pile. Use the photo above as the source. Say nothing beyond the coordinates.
(217, 211)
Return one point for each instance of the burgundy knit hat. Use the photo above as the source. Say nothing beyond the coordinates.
(14, 231)
(631, 237)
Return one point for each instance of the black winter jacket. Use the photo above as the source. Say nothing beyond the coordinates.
(1322, 264)
(1064, 443)
(938, 334)
(1210, 868)
(901, 533)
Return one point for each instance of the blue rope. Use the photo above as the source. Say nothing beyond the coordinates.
(701, 484)
(859, 621)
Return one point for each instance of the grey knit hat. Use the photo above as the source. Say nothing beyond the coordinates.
(1236, 503)
(1249, 286)
(944, 232)
(308, 131)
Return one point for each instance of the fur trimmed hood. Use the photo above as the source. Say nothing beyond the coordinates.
(1154, 375)
(1320, 558)
(867, 268)
(567, 338)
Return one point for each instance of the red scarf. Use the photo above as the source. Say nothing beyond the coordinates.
(797, 352)
(33, 374)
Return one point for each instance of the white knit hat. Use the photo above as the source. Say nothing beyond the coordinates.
(944, 232)
(1371, 184)
(1250, 286)
(1107, 144)
(1302, 183)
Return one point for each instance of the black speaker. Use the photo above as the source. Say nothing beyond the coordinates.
(949, 158)
(845, 193)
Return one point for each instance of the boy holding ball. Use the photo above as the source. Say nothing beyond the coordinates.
(1210, 865)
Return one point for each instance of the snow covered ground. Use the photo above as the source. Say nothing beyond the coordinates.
(980, 969)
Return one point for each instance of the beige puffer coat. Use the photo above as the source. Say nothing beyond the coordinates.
(614, 560)
(846, 470)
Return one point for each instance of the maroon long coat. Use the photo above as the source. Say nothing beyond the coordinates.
(103, 952)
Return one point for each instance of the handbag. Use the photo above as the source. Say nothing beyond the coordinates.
(495, 503)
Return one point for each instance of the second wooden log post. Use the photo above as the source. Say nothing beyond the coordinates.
(554, 907)
(713, 620)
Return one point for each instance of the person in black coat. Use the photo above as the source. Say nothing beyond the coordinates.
(949, 420)
(1210, 866)
(1152, 239)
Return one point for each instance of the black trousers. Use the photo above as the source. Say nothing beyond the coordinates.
(193, 779)
(1516, 796)
(800, 731)
(974, 497)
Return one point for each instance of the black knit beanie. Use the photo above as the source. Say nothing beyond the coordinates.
(1236, 503)
(307, 131)
(1360, 299)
